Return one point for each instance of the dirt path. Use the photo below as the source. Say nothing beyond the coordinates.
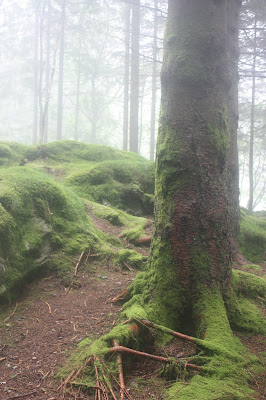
(47, 326)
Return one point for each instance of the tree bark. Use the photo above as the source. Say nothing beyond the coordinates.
(192, 243)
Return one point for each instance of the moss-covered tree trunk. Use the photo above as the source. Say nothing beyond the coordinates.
(192, 247)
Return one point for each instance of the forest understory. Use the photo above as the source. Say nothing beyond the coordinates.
(66, 239)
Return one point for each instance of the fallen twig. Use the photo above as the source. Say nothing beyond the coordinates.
(49, 307)
(79, 260)
(98, 390)
(120, 369)
(165, 360)
(65, 382)
(2, 359)
(18, 396)
(81, 369)
(130, 269)
(119, 297)
(143, 241)
(11, 315)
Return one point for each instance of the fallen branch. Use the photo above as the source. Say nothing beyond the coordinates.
(119, 297)
(21, 395)
(79, 260)
(81, 369)
(120, 369)
(11, 315)
(2, 359)
(164, 360)
(177, 335)
(143, 241)
(49, 307)
(65, 382)
(98, 389)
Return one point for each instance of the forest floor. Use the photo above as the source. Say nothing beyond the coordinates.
(40, 331)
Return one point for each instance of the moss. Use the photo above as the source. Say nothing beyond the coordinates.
(248, 285)
(252, 268)
(131, 258)
(252, 239)
(39, 216)
(125, 185)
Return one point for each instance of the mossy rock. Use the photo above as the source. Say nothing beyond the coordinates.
(252, 238)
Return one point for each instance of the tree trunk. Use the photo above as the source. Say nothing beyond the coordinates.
(61, 74)
(126, 75)
(192, 243)
(134, 84)
(154, 82)
(252, 120)
(233, 10)
(35, 78)
(78, 93)
(47, 72)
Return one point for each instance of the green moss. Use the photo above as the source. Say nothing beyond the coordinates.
(252, 239)
(122, 184)
(248, 285)
(252, 268)
(131, 258)
(38, 216)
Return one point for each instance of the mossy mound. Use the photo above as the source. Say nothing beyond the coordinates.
(128, 185)
(252, 239)
(42, 225)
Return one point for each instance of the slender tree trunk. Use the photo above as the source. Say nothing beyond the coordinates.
(134, 83)
(126, 74)
(78, 94)
(232, 106)
(41, 120)
(154, 81)
(93, 111)
(252, 120)
(61, 74)
(36, 77)
(47, 72)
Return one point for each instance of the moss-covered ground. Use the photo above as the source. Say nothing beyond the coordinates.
(62, 199)
(46, 196)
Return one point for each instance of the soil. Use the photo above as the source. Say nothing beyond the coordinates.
(41, 330)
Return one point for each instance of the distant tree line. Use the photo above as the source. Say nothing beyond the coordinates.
(90, 71)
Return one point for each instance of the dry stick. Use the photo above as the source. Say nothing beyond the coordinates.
(21, 395)
(81, 369)
(11, 315)
(114, 378)
(77, 265)
(151, 356)
(126, 265)
(109, 387)
(169, 331)
(49, 307)
(65, 382)
(118, 297)
(87, 256)
(97, 391)
(120, 368)
(104, 390)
